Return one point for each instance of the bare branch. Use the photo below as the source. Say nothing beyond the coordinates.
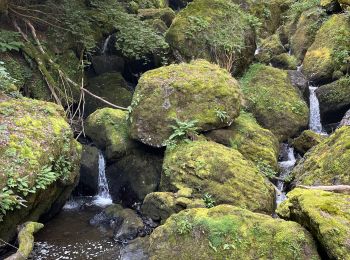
(336, 188)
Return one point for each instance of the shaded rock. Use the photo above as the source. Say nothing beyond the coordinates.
(334, 99)
(322, 58)
(299, 81)
(228, 232)
(325, 214)
(275, 102)
(307, 140)
(135, 175)
(194, 34)
(223, 173)
(250, 139)
(346, 120)
(111, 87)
(108, 129)
(88, 182)
(331, 6)
(198, 91)
(107, 63)
(327, 163)
(39, 162)
(166, 15)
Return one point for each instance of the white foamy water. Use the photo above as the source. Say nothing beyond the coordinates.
(315, 117)
(105, 44)
(286, 168)
(257, 51)
(103, 198)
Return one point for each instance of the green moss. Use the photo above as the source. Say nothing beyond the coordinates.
(270, 96)
(107, 128)
(285, 61)
(269, 47)
(194, 34)
(26, 238)
(186, 92)
(250, 139)
(307, 140)
(325, 214)
(208, 167)
(227, 232)
(327, 163)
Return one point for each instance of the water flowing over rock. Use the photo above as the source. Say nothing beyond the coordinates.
(103, 198)
(315, 117)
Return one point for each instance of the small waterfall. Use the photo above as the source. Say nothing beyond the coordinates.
(105, 45)
(286, 167)
(315, 118)
(299, 68)
(257, 51)
(103, 197)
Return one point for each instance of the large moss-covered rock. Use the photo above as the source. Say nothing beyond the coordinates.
(334, 99)
(227, 232)
(253, 141)
(326, 215)
(307, 140)
(285, 61)
(110, 86)
(39, 161)
(268, 48)
(216, 30)
(308, 24)
(327, 163)
(108, 129)
(326, 53)
(166, 15)
(275, 102)
(213, 169)
(198, 91)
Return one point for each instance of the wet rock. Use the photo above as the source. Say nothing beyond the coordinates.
(325, 214)
(111, 87)
(191, 41)
(334, 99)
(136, 249)
(346, 120)
(88, 181)
(299, 81)
(327, 163)
(307, 140)
(250, 139)
(331, 6)
(198, 91)
(209, 168)
(321, 58)
(107, 63)
(40, 155)
(275, 102)
(228, 232)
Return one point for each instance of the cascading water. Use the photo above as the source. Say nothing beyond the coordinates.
(103, 197)
(286, 167)
(105, 45)
(315, 118)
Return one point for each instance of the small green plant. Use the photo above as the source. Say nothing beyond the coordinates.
(181, 131)
(222, 115)
(184, 226)
(6, 81)
(10, 41)
(135, 101)
(209, 201)
(266, 169)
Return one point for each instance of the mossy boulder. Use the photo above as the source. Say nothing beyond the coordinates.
(253, 141)
(39, 162)
(325, 54)
(275, 102)
(166, 15)
(107, 128)
(216, 30)
(209, 168)
(334, 99)
(284, 61)
(111, 87)
(268, 48)
(325, 214)
(307, 140)
(327, 163)
(228, 232)
(198, 91)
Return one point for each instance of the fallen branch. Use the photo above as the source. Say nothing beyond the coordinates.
(336, 188)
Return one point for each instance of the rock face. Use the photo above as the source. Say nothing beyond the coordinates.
(275, 102)
(334, 99)
(213, 169)
(39, 162)
(197, 91)
(327, 163)
(307, 140)
(110, 86)
(227, 232)
(250, 139)
(322, 58)
(346, 120)
(229, 41)
(108, 129)
(325, 214)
